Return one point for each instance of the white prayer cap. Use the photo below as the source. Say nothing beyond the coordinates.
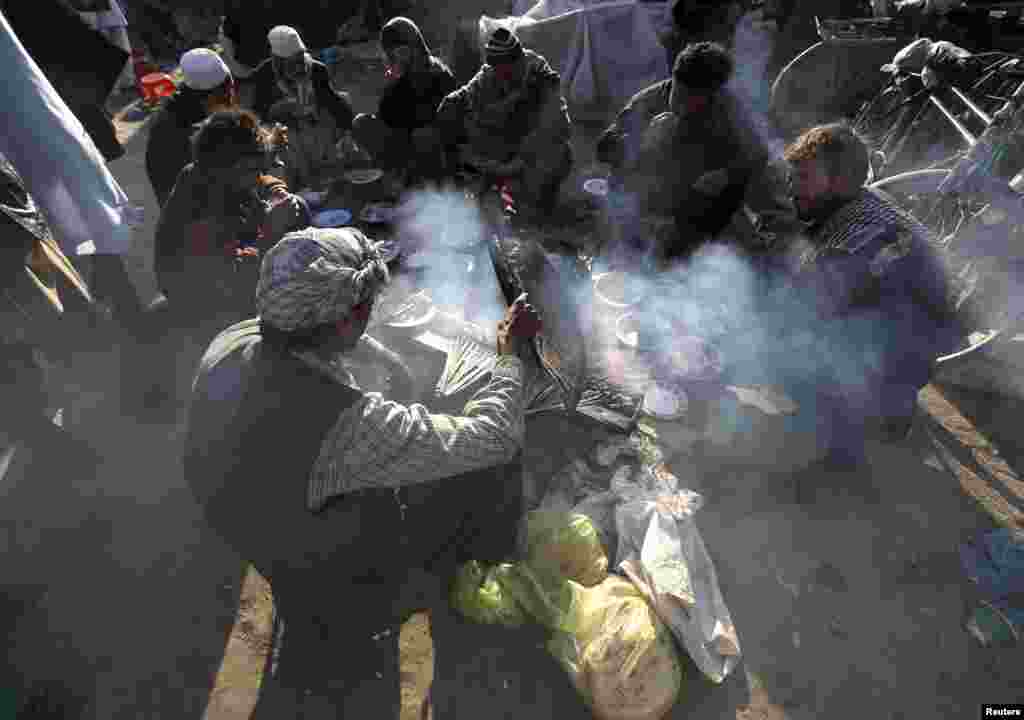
(285, 41)
(204, 69)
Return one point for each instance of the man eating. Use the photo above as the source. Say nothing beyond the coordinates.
(511, 123)
(403, 135)
(684, 148)
(294, 89)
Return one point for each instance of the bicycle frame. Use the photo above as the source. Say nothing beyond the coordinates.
(920, 102)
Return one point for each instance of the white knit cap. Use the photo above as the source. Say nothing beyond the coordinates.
(204, 69)
(285, 42)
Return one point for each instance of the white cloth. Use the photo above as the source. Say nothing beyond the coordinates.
(285, 42)
(204, 69)
(61, 166)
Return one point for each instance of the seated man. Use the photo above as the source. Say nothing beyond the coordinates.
(208, 87)
(878, 294)
(294, 89)
(357, 508)
(403, 135)
(512, 122)
(224, 209)
(684, 148)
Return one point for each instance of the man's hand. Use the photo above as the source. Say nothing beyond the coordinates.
(279, 136)
(521, 324)
(662, 130)
(282, 217)
(712, 183)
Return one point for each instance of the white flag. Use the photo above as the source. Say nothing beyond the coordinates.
(61, 166)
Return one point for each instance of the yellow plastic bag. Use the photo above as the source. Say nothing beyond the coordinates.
(564, 545)
(620, 656)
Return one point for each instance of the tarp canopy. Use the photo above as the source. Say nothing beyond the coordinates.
(605, 51)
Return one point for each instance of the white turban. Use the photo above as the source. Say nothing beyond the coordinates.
(285, 42)
(203, 69)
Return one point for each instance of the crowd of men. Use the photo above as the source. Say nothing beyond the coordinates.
(371, 495)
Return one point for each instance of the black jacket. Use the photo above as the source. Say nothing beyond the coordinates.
(404, 107)
(267, 93)
(170, 140)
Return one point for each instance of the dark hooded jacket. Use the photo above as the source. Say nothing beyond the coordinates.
(412, 102)
(170, 140)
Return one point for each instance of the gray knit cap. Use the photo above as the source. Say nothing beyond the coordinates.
(502, 47)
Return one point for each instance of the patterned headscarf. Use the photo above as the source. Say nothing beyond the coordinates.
(316, 276)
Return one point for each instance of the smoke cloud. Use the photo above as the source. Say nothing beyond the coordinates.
(447, 229)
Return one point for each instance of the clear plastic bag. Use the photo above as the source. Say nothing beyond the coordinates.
(660, 549)
(645, 521)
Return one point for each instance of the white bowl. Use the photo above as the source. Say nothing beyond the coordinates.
(606, 283)
(664, 403)
(626, 330)
(415, 322)
(596, 186)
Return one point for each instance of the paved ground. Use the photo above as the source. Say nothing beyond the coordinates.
(847, 608)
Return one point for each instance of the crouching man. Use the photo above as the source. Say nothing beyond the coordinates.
(354, 507)
(877, 292)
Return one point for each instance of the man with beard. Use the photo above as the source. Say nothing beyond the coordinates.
(208, 87)
(403, 135)
(877, 294)
(510, 122)
(294, 89)
(684, 148)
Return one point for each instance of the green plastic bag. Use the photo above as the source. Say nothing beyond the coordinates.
(620, 656)
(480, 595)
(511, 594)
(564, 545)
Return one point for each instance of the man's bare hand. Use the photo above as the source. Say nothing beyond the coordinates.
(521, 324)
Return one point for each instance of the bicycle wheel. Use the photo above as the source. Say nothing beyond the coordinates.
(876, 116)
(884, 120)
(987, 316)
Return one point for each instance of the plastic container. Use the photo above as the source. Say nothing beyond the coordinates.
(156, 86)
